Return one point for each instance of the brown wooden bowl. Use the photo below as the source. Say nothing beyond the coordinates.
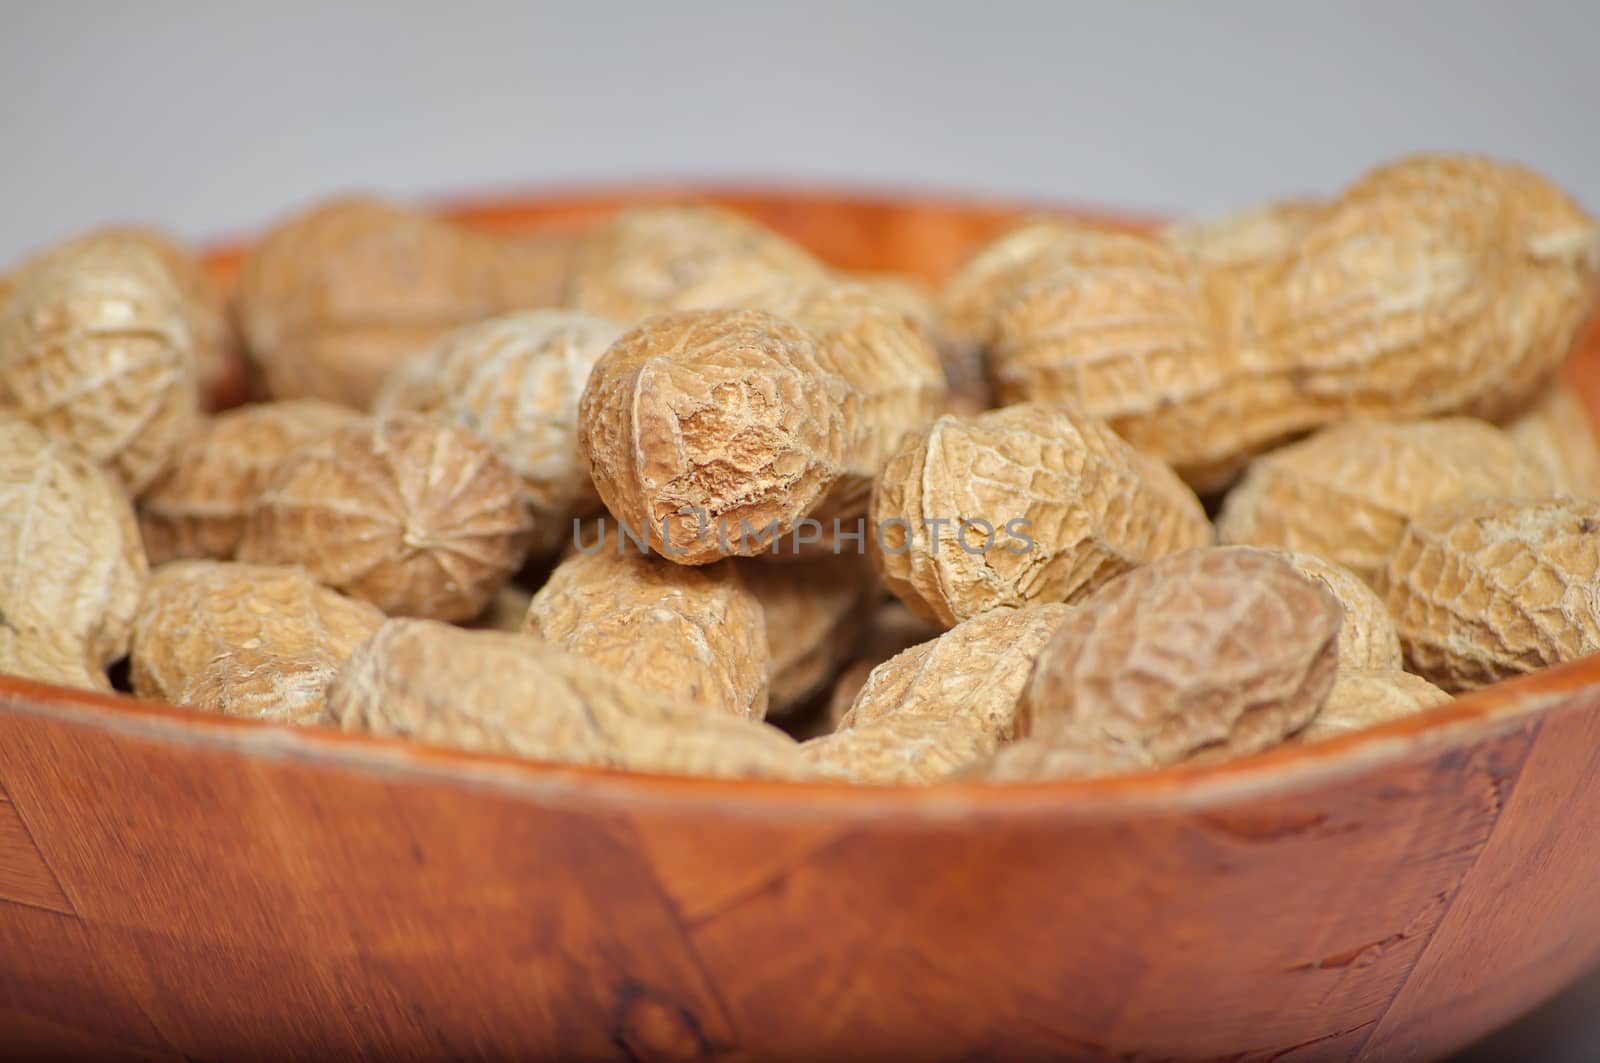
(175, 884)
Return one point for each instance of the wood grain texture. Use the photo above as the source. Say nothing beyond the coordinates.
(195, 886)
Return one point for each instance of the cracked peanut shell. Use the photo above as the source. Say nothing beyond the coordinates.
(1218, 652)
(95, 349)
(1362, 699)
(516, 381)
(693, 635)
(1557, 431)
(494, 692)
(645, 261)
(412, 513)
(230, 637)
(1486, 589)
(198, 506)
(1346, 493)
(72, 567)
(700, 424)
(1070, 503)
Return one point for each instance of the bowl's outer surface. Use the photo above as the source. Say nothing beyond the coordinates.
(181, 885)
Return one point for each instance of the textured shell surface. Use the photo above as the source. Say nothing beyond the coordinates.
(95, 349)
(1070, 503)
(1368, 639)
(1345, 493)
(1361, 699)
(258, 685)
(198, 506)
(1245, 239)
(979, 286)
(516, 381)
(1486, 589)
(413, 513)
(72, 567)
(1557, 431)
(898, 750)
(1221, 651)
(696, 636)
(646, 261)
(197, 616)
(697, 424)
(814, 614)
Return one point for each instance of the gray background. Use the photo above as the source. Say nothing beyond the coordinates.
(214, 119)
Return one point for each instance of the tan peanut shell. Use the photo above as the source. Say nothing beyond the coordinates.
(1486, 589)
(1071, 506)
(910, 749)
(516, 381)
(1557, 431)
(335, 297)
(892, 628)
(1037, 759)
(645, 261)
(204, 305)
(199, 504)
(1222, 651)
(698, 425)
(974, 293)
(1362, 699)
(494, 692)
(507, 610)
(230, 637)
(1346, 493)
(413, 513)
(1368, 639)
(966, 385)
(813, 613)
(887, 360)
(695, 636)
(95, 349)
(72, 568)
(1248, 238)
(1435, 284)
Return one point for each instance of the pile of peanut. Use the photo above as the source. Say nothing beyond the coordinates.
(670, 494)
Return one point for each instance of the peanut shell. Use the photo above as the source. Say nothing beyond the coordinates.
(646, 261)
(1368, 639)
(1362, 699)
(911, 749)
(1486, 589)
(700, 424)
(813, 613)
(199, 504)
(95, 349)
(1223, 651)
(1249, 238)
(695, 636)
(978, 288)
(1346, 493)
(412, 513)
(1557, 431)
(1071, 506)
(255, 684)
(1037, 759)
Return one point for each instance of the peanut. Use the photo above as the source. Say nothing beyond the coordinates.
(1246, 239)
(72, 568)
(813, 612)
(246, 640)
(95, 348)
(692, 635)
(507, 610)
(1222, 651)
(1368, 639)
(1557, 431)
(412, 513)
(199, 504)
(892, 629)
(1362, 699)
(1346, 493)
(699, 425)
(1069, 506)
(979, 287)
(494, 692)
(646, 261)
(1486, 589)
(516, 381)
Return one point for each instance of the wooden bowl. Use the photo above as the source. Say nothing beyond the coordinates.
(177, 884)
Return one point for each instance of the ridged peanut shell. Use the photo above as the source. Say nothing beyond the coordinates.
(904, 750)
(95, 349)
(1368, 639)
(494, 692)
(1487, 589)
(814, 613)
(978, 288)
(1223, 651)
(697, 421)
(516, 380)
(72, 568)
(1557, 431)
(1345, 493)
(1247, 238)
(1090, 507)
(198, 617)
(1362, 699)
(645, 261)
(1038, 759)
(413, 513)
(255, 684)
(695, 636)
(199, 504)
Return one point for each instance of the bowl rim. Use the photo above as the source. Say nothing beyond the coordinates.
(1466, 720)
